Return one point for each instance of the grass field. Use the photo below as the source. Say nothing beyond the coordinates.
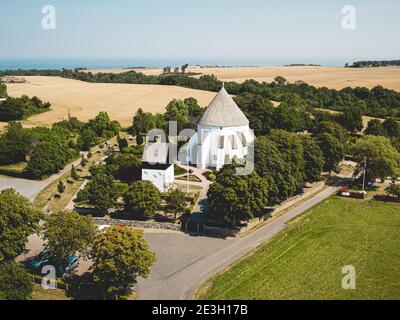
(14, 170)
(330, 77)
(85, 100)
(306, 260)
(42, 294)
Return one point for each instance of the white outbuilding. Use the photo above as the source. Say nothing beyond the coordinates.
(222, 134)
(156, 166)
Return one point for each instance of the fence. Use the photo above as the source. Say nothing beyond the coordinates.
(386, 198)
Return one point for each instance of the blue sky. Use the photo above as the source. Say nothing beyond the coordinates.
(222, 29)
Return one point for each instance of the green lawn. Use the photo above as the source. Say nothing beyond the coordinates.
(42, 294)
(14, 170)
(305, 261)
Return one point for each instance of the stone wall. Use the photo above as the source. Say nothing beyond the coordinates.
(138, 224)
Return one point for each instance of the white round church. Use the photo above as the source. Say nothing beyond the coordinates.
(222, 134)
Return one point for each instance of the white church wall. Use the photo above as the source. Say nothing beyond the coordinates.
(210, 153)
(162, 179)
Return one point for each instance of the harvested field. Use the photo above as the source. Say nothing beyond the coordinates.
(85, 100)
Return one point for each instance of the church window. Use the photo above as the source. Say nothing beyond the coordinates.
(233, 142)
(243, 139)
(221, 142)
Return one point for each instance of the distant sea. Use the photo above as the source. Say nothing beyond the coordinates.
(13, 64)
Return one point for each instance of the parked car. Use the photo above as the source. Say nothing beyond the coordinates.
(44, 259)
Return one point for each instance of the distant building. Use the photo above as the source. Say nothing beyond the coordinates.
(156, 167)
(12, 79)
(222, 134)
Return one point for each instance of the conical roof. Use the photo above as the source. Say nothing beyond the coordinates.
(223, 112)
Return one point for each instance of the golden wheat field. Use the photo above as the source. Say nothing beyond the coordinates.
(85, 100)
(331, 77)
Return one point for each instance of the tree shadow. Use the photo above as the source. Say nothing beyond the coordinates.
(82, 287)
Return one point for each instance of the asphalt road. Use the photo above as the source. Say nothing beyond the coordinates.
(183, 283)
(31, 188)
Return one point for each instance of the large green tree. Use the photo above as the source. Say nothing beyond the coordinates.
(47, 158)
(18, 220)
(143, 122)
(333, 150)
(176, 202)
(291, 149)
(271, 166)
(101, 192)
(120, 254)
(351, 119)
(258, 110)
(314, 159)
(142, 198)
(126, 167)
(382, 158)
(177, 111)
(15, 282)
(15, 143)
(68, 232)
(376, 128)
(392, 127)
(193, 107)
(234, 197)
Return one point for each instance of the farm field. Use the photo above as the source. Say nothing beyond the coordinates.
(331, 77)
(305, 261)
(85, 100)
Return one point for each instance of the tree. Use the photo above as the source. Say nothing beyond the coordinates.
(382, 158)
(87, 139)
(122, 143)
(193, 107)
(184, 67)
(332, 149)
(288, 118)
(176, 202)
(143, 122)
(270, 165)
(15, 143)
(280, 80)
(291, 149)
(139, 139)
(61, 187)
(3, 90)
(393, 190)
(103, 126)
(375, 128)
(392, 127)
(74, 173)
(332, 128)
(314, 159)
(142, 198)
(84, 161)
(233, 197)
(125, 167)
(351, 119)
(101, 192)
(15, 282)
(18, 220)
(120, 255)
(67, 232)
(177, 111)
(258, 110)
(48, 158)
